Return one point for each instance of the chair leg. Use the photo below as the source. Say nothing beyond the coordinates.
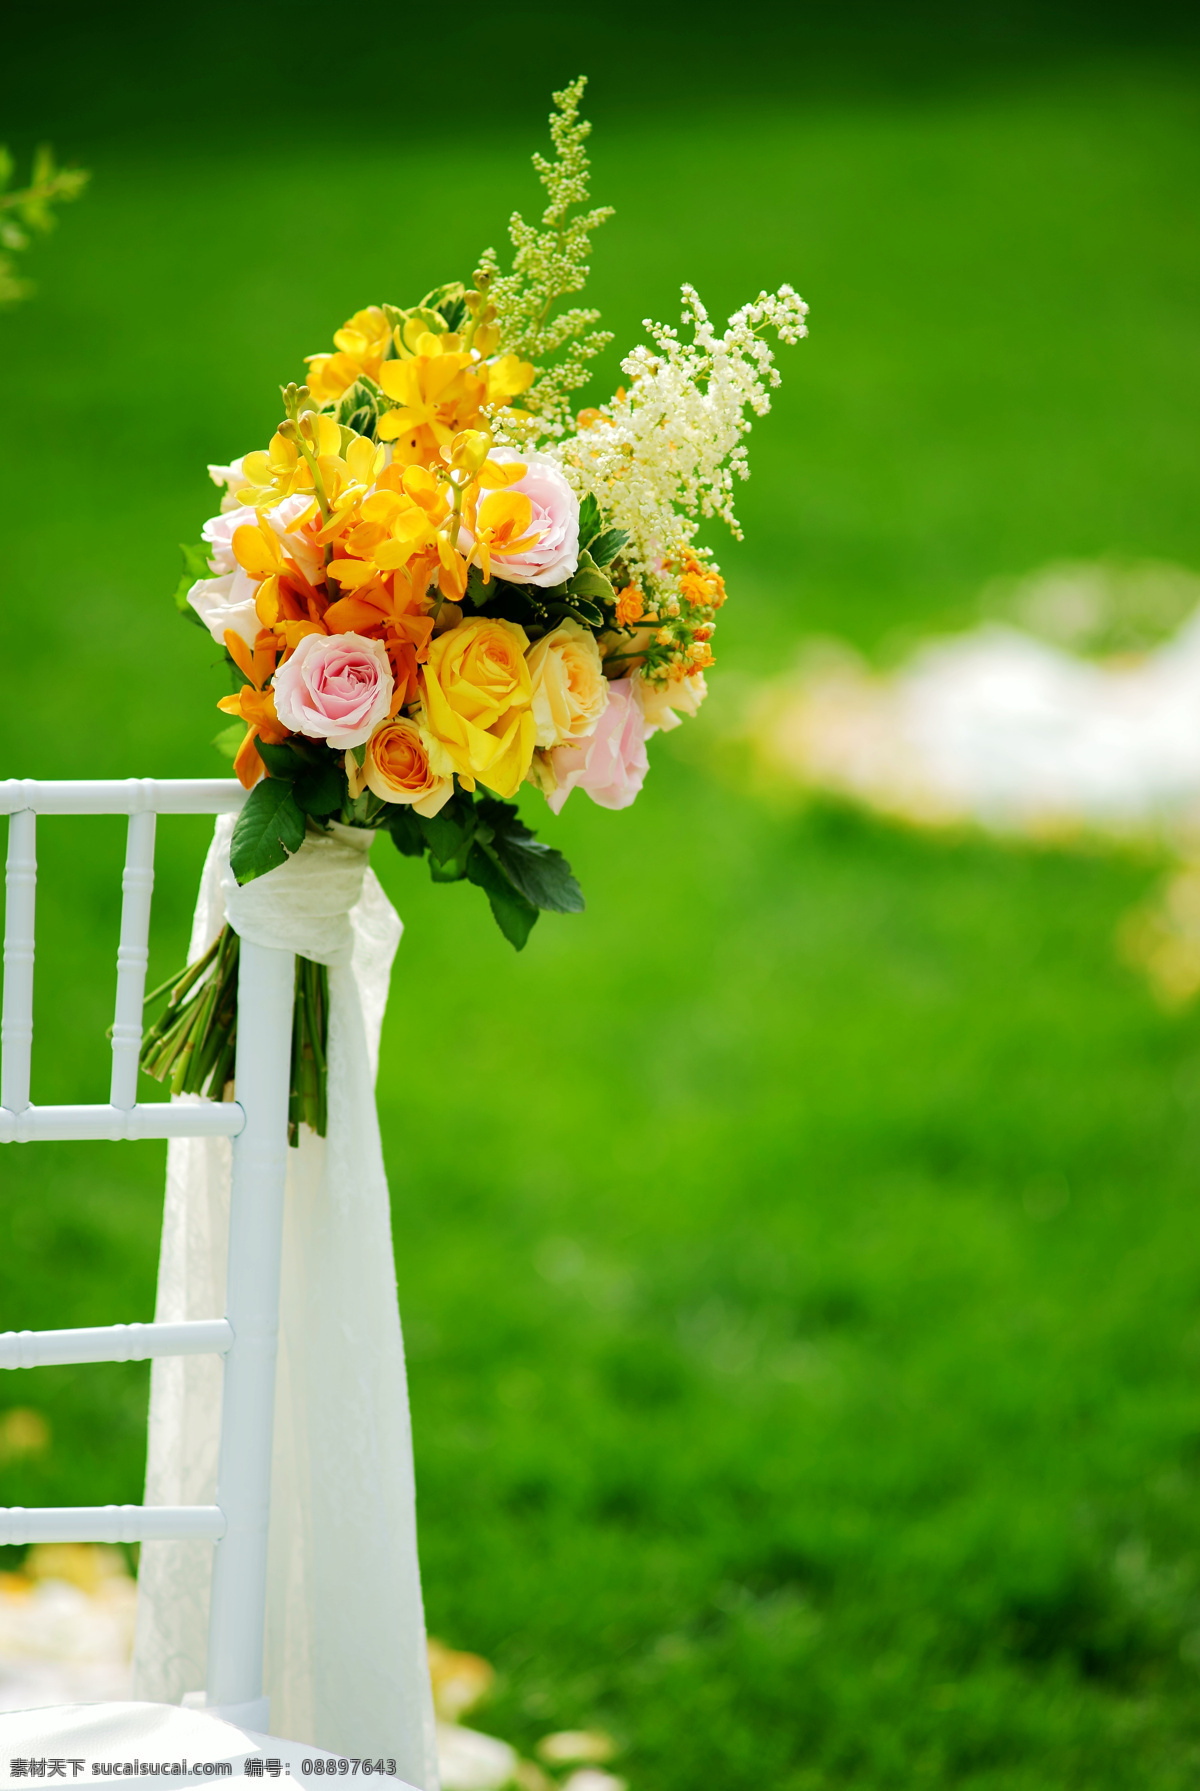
(235, 1649)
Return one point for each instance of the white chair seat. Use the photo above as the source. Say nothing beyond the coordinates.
(181, 1742)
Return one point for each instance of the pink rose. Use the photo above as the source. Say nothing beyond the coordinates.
(554, 556)
(335, 687)
(611, 765)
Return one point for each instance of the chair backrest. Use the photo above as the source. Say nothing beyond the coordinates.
(256, 1121)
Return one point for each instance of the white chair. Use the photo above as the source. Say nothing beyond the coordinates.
(257, 1124)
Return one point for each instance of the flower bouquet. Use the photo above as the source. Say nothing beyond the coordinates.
(437, 583)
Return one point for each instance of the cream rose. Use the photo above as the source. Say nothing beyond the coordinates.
(570, 691)
(665, 705)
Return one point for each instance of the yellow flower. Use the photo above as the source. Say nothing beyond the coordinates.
(438, 392)
(257, 551)
(392, 529)
(507, 378)
(361, 343)
(396, 768)
(478, 697)
(313, 456)
(501, 527)
(284, 469)
(440, 389)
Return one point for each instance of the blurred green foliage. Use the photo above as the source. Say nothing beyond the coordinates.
(797, 1251)
(29, 208)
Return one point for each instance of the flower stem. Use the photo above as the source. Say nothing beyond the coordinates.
(192, 1045)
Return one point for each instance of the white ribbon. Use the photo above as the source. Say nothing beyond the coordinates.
(346, 1666)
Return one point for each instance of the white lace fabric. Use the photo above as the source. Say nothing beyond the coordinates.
(346, 1666)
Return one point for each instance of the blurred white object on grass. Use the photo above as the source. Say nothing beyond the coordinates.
(66, 1637)
(66, 1627)
(999, 726)
(576, 1747)
(1023, 729)
(471, 1761)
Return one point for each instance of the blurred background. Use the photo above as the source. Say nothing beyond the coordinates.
(797, 1252)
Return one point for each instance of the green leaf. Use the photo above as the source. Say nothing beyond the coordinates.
(515, 916)
(605, 548)
(43, 165)
(539, 872)
(403, 825)
(449, 302)
(448, 834)
(591, 520)
(195, 566)
(280, 761)
(360, 753)
(480, 590)
(229, 739)
(590, 614)
(196, 559)
(455, 312)
(269, 829)
(319, 788)
(358, 409)
(589, 581)
(452, 871)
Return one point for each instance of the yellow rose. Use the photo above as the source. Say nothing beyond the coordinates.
(570, 691)
(396, 768)
(478, 697)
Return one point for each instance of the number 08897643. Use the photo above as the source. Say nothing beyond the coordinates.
(329, 1766)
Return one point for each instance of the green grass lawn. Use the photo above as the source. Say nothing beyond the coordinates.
(798, 1252)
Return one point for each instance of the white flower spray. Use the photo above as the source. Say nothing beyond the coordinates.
(663, 454)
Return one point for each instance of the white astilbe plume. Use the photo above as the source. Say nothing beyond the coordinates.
(663, 454)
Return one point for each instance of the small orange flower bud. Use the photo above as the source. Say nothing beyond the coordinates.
(630, 606)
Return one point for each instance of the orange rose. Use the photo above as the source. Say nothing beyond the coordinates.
(396, 768)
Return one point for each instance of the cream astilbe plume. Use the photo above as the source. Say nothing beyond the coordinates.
(548, 265)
